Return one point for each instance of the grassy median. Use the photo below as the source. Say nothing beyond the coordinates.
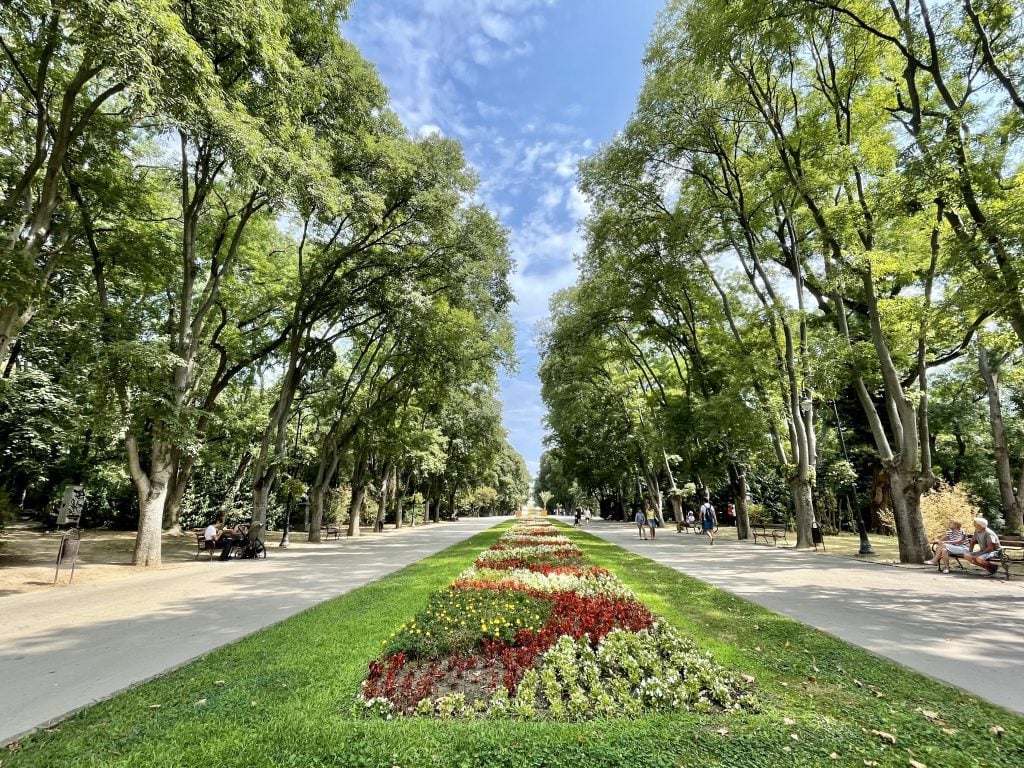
(283, 697)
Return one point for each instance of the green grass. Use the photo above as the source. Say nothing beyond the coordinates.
(287, 691)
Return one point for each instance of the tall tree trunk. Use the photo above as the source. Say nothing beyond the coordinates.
(401, 488)
(328, 467)
(905, 497)
(1011, 509)
(180, 477)
(738, 483)
(355, 506)
(151, 487)
(385, 490)
(803, 508)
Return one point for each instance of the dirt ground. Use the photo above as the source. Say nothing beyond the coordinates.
(28, 555)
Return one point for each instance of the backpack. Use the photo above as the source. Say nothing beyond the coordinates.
(707, 512)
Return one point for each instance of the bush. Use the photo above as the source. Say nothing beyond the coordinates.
(948, 502)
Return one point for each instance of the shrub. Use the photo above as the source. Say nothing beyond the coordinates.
(948, 502)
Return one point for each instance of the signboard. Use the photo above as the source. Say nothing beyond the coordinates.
(72, 505)
(67, 553)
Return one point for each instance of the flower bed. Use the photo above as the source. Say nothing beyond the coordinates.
(531, 631)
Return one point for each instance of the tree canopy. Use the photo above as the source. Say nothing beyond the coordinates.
(231, 277)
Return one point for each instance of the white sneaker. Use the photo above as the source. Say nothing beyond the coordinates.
(945, 570)
(930, 562)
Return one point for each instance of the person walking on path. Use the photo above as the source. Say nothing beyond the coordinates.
(708, 520)
(586, 516)
(988, 546)
(955, 542)
(641, 522)
(652, 522)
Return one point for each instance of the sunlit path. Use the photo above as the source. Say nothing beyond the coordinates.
(64, 649)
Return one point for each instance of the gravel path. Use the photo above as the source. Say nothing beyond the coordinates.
(910, 614)
(66, 648)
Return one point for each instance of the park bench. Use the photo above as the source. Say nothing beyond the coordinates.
(682, 525)
(202, 545)
(1011, 550)
(332, 530)
(769, 531)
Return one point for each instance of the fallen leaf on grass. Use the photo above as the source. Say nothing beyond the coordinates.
(789, 721)
(928, 713)
(915, 764)
(722, 731)
(884, 736)
(858, 683)
(794, 737)
(201, 702)
(218, 682)
(154, 706)
(997, 730)
(870, 763)
(748, 678)
(834, 756)
(787, 749)
(950, 731)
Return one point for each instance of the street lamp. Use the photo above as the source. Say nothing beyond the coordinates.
(862, 528)
(291, 493)
(287, 523)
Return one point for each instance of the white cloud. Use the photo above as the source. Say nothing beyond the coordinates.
(432, 46)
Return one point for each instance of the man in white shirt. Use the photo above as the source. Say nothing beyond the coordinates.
(988, 546)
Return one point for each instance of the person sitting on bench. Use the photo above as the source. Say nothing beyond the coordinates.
(222, 539)
(955, 542)
(988, 547)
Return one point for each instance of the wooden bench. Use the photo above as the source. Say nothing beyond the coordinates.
(202, 545)
(1011, 551)
(773, 532)
(682, 525)
(331, 530)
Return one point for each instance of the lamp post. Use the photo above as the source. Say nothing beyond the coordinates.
(304, 506)
(287, 523)
(862, 528)
(283, 544)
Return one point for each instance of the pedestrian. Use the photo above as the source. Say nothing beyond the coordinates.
(708, 520)
(578, 516)
(586, 516)
(652, 522)
(641, 523)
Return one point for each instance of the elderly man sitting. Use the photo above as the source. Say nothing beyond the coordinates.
(988, 547)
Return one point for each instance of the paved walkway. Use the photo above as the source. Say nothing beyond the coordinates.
(913, 615)
(66, 648)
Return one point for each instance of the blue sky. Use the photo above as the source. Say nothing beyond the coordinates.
(529, 87)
